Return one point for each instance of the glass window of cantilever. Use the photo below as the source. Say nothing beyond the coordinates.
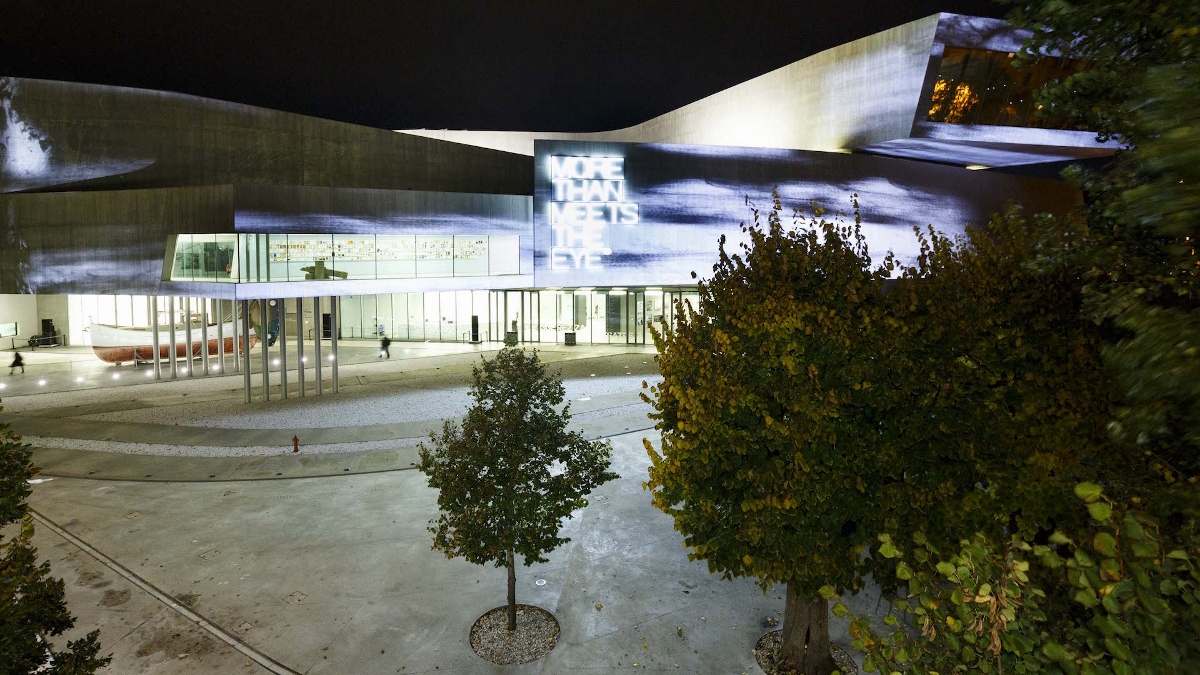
(977, 86)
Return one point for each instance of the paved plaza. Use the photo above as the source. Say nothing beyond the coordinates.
(246, 557)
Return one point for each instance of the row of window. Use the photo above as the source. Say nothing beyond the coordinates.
(248, 258)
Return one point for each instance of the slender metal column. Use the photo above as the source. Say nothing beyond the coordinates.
(220, 307)
(204, 334)
(283, 388)
(238, 345)
(317, 327)
(244, 353)
(187, 334)
(262, 339)
(154, 327)
(333, 338)
(173, 356)
(300, 343)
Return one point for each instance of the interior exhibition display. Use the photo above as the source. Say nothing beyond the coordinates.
(163, 229)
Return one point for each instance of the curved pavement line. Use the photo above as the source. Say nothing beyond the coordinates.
(204, 624)
(50, 473)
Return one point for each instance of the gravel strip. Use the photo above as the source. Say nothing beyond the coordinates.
(267, 450)
(216, 450)
(536, 634)
(355, 407)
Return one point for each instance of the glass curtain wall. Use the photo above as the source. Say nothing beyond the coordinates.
(440, 316)
(250, 258)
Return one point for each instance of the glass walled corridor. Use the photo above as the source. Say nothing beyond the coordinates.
(585, 315)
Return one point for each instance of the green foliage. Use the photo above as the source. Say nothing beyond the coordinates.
(1138, 84)
(811, 404)
(32, 604)
(511, 472)
(760, 460)
(1133, 606)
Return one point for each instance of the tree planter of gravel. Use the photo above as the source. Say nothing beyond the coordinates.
(507, 478)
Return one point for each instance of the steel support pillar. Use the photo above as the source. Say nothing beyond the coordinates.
(173, 350)
(266, 357)
(239, 326)
(187, 335)
(154, 327)
(300, 343)
(245, 353)
(333, 338)
(220, 307)
(318, 326)
(204, 335)
(283, 379)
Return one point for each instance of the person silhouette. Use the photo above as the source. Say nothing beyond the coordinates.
(18, 362)
(384, 344)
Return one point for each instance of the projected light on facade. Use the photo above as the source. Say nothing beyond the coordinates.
(587, 197)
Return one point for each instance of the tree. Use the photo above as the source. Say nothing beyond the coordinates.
(32, 603)
(1137, 83)
(511, 472)
(812, 404)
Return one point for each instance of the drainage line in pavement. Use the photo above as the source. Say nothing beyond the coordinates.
(213, 629)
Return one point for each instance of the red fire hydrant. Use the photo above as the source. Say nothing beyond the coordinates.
(295, 444)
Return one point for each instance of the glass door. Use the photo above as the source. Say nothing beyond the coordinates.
(635, 313)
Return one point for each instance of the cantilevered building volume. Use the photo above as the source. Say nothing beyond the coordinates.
(135, 208)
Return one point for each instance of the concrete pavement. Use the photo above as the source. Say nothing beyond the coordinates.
(322, 564)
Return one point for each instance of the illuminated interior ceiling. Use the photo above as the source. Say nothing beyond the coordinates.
(894, 93)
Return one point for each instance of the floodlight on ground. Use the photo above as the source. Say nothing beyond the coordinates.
(41, 383)
(149, 373)
(331, 357)
(116, 376)
(275, 362)
(79, 379)
(304, 359)
(3, 386)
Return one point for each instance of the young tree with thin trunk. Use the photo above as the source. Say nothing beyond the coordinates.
(511, 472)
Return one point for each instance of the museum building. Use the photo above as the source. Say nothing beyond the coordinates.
(203, 225)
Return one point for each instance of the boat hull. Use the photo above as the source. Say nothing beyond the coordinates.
(136, 348)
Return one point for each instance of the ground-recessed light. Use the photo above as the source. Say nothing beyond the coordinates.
(3, 386)
(79, 379)
(41, 383)
(149, 373)
(585, 398)
(275, 362)
(331, 357)
(304, 359)
(116, 376)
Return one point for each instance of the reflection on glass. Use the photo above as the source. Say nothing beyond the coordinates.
(976, 86)
(324, 257)
(204, 257)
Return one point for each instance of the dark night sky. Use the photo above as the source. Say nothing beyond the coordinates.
(559, 65)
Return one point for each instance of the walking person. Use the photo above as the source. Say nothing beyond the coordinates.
(18, 362)
(384, 344)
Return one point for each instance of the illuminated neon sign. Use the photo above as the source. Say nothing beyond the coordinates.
(588, 195)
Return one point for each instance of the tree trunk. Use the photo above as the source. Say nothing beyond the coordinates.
(512, 592)
(805, 646)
